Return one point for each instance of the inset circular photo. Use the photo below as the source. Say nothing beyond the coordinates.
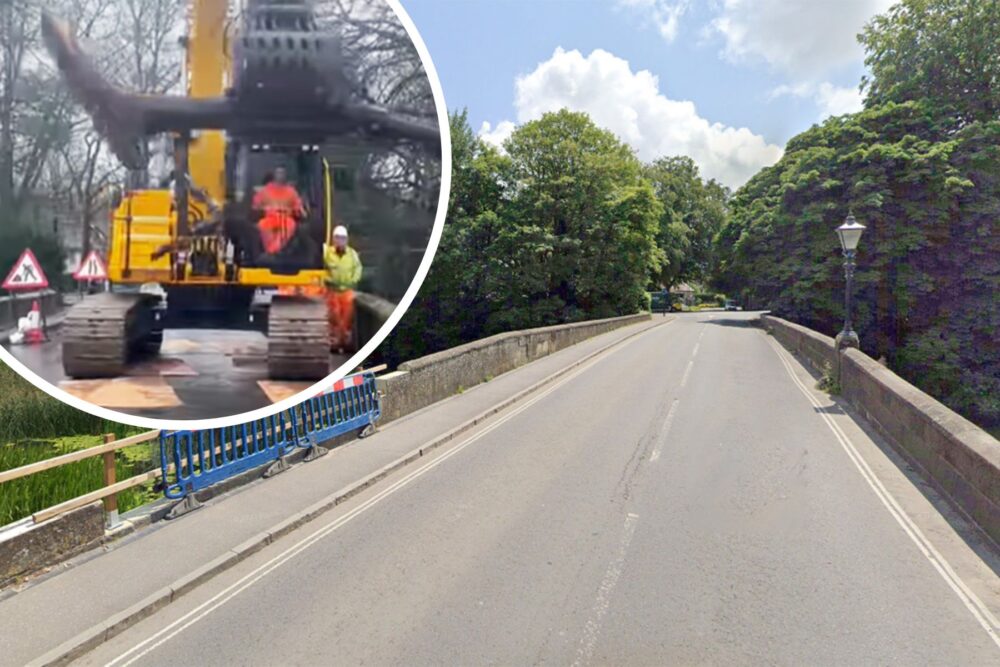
(242, 201)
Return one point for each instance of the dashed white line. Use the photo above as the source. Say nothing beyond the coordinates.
(980, 611)
(592, 630)
(222, 597)
(663, 434)
(687, 373)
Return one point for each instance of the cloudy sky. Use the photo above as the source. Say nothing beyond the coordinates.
(727, 82)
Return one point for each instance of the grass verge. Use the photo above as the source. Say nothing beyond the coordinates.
(34, 427)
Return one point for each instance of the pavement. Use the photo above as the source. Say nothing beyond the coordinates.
(199, 374)
(685, 496)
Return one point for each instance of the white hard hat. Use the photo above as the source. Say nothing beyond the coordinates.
(340, 230)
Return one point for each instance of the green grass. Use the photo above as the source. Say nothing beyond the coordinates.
(34, 427)
(28, 412)
(829, 382)
(22, 497)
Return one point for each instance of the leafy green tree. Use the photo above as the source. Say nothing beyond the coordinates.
(453, 306)
(559, 226)
(927, 278)
(694, 212)
(920, 166)
(592, 217)
(943, 52)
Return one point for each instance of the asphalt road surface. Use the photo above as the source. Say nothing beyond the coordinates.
(685, 498)
(199, 374)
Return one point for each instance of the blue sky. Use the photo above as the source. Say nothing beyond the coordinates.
(725, 81)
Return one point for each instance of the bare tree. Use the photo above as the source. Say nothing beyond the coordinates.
(37, 116)
(152, 30)
(385, 69)
(136, 43)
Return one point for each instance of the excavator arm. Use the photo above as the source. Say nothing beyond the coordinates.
(286, 80)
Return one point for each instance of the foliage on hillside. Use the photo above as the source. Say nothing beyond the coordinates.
(920, 166)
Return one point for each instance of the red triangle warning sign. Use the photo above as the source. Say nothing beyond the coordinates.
(26, 274)
(91, 268)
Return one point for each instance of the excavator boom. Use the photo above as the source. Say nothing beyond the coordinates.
(309, 109)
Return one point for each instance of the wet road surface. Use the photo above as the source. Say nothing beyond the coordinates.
(199, 374)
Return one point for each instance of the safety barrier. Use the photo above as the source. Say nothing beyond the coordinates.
(193, 460)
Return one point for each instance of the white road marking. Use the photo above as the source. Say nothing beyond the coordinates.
(663, 434)
(222, 597)
(694, 353)
(980, 611)
(592, 629)
(687, 373)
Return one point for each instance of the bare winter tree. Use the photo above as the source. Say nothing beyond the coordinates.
(151, 42)
(37, 116)
(136, 43)
(385, 69)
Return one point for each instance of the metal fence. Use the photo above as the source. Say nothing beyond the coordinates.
(193, 460)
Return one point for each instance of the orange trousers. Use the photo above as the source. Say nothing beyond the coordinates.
(340, 311)
(276, 230)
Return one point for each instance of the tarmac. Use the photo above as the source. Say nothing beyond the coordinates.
(199, 374)
(77, 603)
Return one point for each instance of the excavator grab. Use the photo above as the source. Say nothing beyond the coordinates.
(266, 90)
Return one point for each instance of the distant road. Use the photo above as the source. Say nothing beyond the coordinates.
(687, 498)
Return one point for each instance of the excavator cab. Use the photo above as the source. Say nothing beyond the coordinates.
(254, 166)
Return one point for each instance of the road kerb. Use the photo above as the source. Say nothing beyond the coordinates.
(101, 632)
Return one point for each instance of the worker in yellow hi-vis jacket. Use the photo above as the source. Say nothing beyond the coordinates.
(343, 273)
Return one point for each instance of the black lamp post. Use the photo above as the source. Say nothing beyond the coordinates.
(849, 233)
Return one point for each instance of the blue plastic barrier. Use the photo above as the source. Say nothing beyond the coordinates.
(193, 460)
(353, 403)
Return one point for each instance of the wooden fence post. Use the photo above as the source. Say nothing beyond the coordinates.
(110, 502)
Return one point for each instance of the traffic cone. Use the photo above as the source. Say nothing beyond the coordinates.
(35, 334)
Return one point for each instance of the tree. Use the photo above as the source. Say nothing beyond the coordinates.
(943, 52)
(590, 216)
(919, 166)
(559, 226)
(693, 213)
(379, 64)
(457, 298)
(927, 277)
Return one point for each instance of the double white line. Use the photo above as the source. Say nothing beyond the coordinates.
(980, 611)
(222, 597)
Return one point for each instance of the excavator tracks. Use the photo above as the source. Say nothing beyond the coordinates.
(101, 333)
(298, 339)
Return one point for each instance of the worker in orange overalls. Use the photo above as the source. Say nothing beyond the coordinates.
(343, 273)
(281, 206)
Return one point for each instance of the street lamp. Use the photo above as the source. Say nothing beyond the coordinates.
(849, 233)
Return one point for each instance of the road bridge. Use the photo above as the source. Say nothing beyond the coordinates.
(684, 496)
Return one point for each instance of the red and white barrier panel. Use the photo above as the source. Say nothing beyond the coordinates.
(347, 382)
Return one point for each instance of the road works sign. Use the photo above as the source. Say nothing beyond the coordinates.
(26, 274)
(91, 268)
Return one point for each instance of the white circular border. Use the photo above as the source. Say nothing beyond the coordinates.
(363, 353)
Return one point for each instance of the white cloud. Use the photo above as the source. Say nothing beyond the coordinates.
(498, 135)
(664, 14)
(804, 38)
(631, 105)
(831, 100)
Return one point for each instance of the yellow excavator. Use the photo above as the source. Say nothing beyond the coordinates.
(265, 89)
